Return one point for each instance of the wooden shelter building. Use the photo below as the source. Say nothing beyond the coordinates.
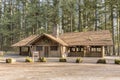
(73, 44)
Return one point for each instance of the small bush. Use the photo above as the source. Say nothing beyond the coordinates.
(28, 59)
(79, 60)
(117, 61)
(103, 61)
(42, 59)
(10, 60)
(62, 60)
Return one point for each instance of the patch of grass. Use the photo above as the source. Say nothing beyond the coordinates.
(42, 59)
(117, 61)
(102, 61)
(10, 60)
(79, 60)
(28, 59)
(62, 60)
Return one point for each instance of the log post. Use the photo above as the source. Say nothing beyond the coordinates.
(31, 50)
(85, 51)
(60, 51)
(103, 51)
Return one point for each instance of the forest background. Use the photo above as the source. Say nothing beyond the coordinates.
(22, 18)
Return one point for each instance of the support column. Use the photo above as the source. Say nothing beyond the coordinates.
(111, 50)
(85, 51)
(31, 50)
(62, 52)
(103, 51)
(60, 48)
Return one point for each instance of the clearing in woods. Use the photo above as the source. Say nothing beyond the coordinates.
(54, 70)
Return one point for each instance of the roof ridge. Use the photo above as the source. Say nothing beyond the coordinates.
(85, 31)
(48, 35)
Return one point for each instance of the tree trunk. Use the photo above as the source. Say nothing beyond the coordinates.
(113, 34)
(118, 34)
(105, 16)
(79, 18)
(96, 17)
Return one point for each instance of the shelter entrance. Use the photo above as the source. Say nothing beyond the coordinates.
(46, 51)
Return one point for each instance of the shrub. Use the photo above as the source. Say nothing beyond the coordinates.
(42, 59)
(79, 60)
(117, 61)
(103, 61)
(10, 60)
(62, 60)
(28, 59)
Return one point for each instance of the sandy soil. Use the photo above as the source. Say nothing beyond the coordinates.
(54, 70)
(59, 71)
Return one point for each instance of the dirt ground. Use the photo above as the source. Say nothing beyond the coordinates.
(54, 70)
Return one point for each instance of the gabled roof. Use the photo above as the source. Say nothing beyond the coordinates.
(74, 38)
(26, 41)
(102, 37)
(56, 39)
(29, 40)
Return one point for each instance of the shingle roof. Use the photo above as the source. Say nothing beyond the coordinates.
(26, 41)
(29, 40)
(56, 39)
(88, 38)
(75, 38)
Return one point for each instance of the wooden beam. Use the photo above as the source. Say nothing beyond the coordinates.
(103, 51)
(61, 51)
(31, 50)
(85, 51)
